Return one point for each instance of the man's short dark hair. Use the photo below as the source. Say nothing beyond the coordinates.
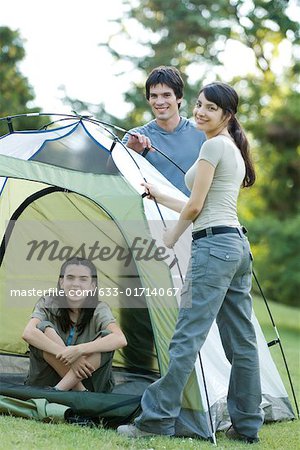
(165, 75)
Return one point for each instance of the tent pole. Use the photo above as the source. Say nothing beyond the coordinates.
(175, 261)
(278, 341)
(96, 121)
(10, 125)
(213, 433)
(118, 140)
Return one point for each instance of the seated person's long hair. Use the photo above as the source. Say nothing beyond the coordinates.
(90, 303)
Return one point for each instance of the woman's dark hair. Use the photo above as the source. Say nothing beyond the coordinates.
(91, 301)
(226, 98)
(165, 75)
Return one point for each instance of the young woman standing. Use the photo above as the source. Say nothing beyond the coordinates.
(218, 280)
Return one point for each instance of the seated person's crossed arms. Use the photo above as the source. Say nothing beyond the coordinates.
(72, 335)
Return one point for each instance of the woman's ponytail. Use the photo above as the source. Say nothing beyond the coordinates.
(227, 98)
(239, 137)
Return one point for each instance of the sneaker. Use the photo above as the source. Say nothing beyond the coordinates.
(231, 433)
(132, 431)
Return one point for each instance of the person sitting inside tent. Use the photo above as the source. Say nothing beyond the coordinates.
(72, 335)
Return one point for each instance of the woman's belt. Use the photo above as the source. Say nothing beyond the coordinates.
(217, 230)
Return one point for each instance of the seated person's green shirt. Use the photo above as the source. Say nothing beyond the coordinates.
(42, 374)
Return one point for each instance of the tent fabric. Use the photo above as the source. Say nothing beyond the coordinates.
(40, 404)
(93, 160)
(37, 409)
(54, 193)
(24, 144)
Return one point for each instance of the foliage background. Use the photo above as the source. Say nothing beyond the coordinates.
(16, 94)
(192, 35)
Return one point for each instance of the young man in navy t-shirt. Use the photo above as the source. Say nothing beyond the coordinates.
(174, 135)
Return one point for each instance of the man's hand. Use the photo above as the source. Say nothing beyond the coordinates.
(138, 142)
(82, 368)
(70, 354)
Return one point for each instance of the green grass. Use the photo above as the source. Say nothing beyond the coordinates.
(23, 434)
(17, 433)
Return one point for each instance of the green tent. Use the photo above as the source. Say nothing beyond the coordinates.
(70, 191)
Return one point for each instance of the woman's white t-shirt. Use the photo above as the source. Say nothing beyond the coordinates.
(220, 206)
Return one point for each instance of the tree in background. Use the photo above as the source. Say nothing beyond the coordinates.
(275, 220)
(15, 91)
(192, 35)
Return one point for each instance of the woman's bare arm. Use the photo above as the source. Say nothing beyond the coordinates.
(203, 179)
(116, 339)
(35, 337)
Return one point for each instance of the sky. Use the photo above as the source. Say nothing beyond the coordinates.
(62, 40)
(62, 48)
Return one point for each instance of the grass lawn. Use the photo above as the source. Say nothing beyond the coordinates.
(17, 433)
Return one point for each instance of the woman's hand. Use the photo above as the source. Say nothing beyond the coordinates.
(151, 191)
(82, 368)
(70, 354)
(154, 193)
(169, 238)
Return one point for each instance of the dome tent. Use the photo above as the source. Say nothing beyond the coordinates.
(70, 190)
